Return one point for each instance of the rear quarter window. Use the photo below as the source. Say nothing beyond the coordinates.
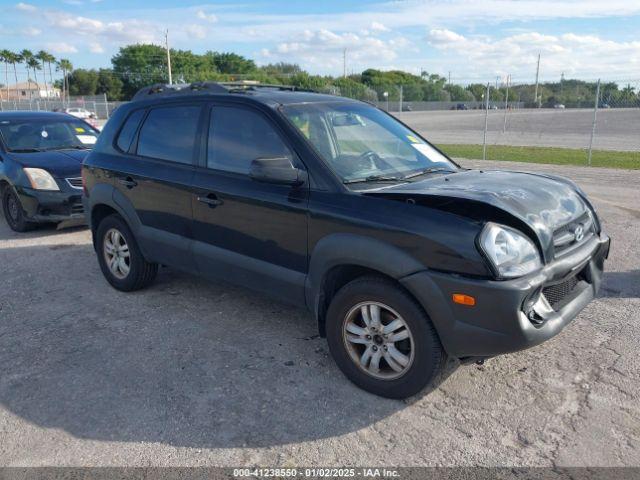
(128, 131)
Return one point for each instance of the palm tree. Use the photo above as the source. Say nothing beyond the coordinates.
(66, 67)
(35, 66)
(27, 56)
(4, 57)
(14, 59)
(42, 56)
(50, 59)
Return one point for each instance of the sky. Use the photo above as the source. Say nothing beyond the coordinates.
(468, 40)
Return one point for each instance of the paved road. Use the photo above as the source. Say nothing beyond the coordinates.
(617, 129)
(196, 373)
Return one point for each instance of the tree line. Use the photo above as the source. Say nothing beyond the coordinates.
(136, 66)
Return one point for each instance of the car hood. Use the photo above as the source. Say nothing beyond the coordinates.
(542, 203)
(59, 163)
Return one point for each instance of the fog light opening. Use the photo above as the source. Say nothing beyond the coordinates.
(535, 318)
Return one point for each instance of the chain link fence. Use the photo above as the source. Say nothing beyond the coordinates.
(597, 120)
(96, 105)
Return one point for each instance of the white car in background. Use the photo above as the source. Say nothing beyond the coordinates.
(80, 112)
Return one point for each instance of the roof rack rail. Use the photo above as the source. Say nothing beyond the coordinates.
(162, 89)
(255, 86)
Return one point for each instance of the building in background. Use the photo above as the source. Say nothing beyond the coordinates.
(29, 90)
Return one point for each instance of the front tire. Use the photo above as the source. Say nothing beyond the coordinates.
(382, 339)
(120, 258)
(13, 211)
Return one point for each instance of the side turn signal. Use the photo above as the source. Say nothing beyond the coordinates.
(463, 299)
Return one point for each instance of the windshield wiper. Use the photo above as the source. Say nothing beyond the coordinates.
(25, 150)
(373, 178)
(69, 147)
(426, 171)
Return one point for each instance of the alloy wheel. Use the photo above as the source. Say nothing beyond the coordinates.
(116, 254)
(378, 340)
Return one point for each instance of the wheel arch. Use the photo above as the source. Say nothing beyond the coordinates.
(340, 258)
(105, 200)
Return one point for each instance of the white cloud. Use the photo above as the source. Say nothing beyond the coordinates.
(444, 37)
(397, 15)
(31, 31)
(131, 30)
(26, 7)
(324, 48)
(95, 47)
(378, 27)
(207, 17)
(197, 31)
(365, 33)
(61, 47)
(586, 56)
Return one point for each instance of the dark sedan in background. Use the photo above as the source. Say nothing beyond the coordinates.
(40, 158)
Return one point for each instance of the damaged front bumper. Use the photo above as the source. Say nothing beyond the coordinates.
(49, 206)
(515, 314)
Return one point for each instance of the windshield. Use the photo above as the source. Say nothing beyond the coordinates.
(362, 143)
(46, 134)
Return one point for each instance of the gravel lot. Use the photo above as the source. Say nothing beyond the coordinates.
(617, 129)
(195, 373)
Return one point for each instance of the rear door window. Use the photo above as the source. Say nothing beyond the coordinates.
(170, 133)
(237, 136)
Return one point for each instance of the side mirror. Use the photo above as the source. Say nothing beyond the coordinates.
(277, 170)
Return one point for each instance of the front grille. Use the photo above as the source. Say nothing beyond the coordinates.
(75, 182)
(555, 294)
(573, 233)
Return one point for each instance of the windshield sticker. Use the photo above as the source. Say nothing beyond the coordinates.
(430, 152)
(413, 139)
(86, 139)
(44, 134)
(80, 130)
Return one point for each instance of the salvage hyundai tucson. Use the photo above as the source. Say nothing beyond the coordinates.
(403, 257)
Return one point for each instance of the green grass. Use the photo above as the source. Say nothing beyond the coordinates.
(553, 155)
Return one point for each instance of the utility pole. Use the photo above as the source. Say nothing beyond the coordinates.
(166, 41)
(344, 63)
(535, 95)
(595, 121)
(449, 77)
(486, 118)
(506, 105)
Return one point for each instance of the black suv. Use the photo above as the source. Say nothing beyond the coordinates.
(403, 257)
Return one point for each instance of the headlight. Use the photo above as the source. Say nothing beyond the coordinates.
(511, 253)
(41, 179)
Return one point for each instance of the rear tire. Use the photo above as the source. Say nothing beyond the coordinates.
(13, 211)
(120, 258)
(382, 339)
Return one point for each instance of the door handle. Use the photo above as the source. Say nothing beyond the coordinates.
(211, 200)
(128, 182)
